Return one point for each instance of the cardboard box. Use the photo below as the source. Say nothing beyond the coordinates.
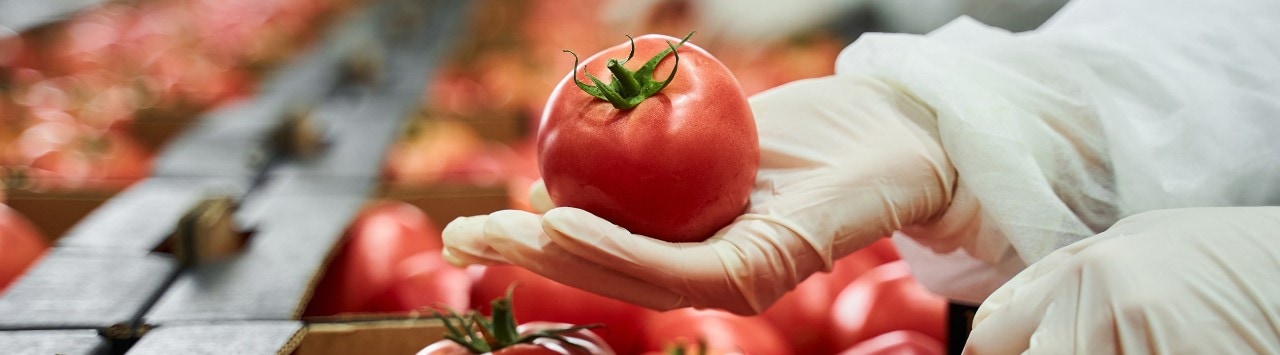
(154, 128)
(55, 212)
(445, 202)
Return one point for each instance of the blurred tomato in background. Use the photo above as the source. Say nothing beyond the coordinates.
(73, 92)
(389, 262)
(20, 246)
(721, 332)
(883, 300)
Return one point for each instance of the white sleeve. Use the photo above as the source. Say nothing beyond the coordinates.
(1111, 108)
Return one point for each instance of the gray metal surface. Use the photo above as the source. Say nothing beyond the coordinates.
(142, 217)
(269, 337)
(84, 288)
(21, 15)
(44, 342)
(271, 278)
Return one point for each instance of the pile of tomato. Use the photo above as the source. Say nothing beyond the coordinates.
(70, 92)
(869, 303)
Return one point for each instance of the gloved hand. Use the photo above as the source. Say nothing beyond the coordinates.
(844, 161)
(1194, 281)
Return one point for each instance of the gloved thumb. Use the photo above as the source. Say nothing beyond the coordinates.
(539, 199)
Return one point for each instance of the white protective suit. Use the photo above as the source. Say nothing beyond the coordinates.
(1111, 108)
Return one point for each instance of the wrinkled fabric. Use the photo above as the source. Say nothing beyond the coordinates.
(1110, 109)
(1182, 281)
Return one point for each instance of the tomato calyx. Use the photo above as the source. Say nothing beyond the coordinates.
(682, 348)
(628, 89)
(15, 178)
(481, 335)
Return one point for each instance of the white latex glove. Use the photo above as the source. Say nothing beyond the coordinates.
(844, 161)
(1190, 281)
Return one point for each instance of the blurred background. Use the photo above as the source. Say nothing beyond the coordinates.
(81, 99)
(92, 92)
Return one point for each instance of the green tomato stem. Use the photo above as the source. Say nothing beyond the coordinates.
(627, 80)
(629, 88)
(481, 335)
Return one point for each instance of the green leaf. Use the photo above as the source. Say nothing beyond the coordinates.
(646, 71)
(609, 94)
(591, 90)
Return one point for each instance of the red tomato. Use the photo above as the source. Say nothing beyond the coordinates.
(383, 236)
(886, 299)
(884, 250)
(436, 151)
(723, 332)
(71, 155)
(678, 166)
(424, 281)
(541, 299)
(581, 342)
(20, 245)
(900, 342)
(803, 315)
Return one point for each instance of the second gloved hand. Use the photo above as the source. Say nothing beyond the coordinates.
(1186, 281)
(845, 160)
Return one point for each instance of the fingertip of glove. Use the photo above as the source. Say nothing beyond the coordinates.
(463, 227)
(566, 219)
(452, 259)
(506, 218)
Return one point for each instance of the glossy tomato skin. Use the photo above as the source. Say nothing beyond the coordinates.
(424, 281)
(677, 167)
(20, 246)
(898, 342)
(587, 343)
(541, 299)
(385, 234)
(884, 300)
(883, 249)
(803, 315)
(724, 333)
